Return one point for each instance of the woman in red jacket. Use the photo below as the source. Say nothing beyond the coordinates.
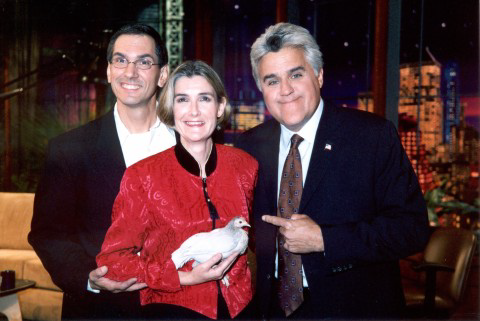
(193, 187)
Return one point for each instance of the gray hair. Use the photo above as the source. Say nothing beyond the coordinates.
(284, 35)
(190, 69)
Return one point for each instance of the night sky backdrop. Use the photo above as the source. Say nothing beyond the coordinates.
(344, 30)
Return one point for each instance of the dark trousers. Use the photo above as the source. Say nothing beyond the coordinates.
(101, 306)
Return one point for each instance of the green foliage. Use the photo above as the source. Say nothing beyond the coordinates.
(440, 201)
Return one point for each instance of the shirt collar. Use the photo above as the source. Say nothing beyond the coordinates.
(308, 131)
(122, 130)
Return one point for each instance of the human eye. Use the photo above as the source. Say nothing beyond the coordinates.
(180, 99)
(272, 82)
(205, 98)
(297, 75)
(119, 61)
(144, 62)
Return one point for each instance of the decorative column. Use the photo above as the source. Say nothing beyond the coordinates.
(174, 31)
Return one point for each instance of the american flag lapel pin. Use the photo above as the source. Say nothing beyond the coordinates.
(328, 147)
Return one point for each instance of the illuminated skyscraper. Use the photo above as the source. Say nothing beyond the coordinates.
(451, 100)
(243, 118)
(365, 101)
(246, 117)
(411, 141)
(420, 98)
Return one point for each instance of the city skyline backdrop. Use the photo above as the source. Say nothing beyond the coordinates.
(55, 51)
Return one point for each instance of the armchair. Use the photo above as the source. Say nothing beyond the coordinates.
(446, 264)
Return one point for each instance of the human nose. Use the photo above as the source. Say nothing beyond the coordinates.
(194, 110)
(286, 88)
(131, 69)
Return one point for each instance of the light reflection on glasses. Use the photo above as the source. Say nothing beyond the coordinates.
(142, 63)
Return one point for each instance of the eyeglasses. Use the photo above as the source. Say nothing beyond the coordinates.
(122, 63)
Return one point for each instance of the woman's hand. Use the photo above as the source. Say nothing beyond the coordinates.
(208, 271)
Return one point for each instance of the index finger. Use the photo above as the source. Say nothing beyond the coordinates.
(136, 286)
(119, 285)
(212, 261)
(275, 220)
(225, 264)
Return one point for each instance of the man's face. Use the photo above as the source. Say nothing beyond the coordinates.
(289, 86)
(135, 87)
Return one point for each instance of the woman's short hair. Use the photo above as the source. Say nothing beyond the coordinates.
(284, 35)
(190, 69)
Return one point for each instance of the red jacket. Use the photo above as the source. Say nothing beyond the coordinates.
(161, 203)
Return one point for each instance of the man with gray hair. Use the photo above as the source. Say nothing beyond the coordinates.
(337, 202)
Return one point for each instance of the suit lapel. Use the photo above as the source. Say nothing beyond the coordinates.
(268, 146)
(108, 158)
(270, 161)
(322, 153)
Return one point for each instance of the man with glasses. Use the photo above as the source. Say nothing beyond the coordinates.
(82, 175)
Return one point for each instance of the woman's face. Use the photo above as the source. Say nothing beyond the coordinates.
(195, 109)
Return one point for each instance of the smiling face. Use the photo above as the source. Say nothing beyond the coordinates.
(289, 86)
(134, 87)
(195, 109)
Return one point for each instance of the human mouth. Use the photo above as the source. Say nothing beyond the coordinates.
(194, 123)
(289, 101)
(130, 86)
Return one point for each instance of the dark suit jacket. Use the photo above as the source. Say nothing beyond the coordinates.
(366, 198)
(72, 212)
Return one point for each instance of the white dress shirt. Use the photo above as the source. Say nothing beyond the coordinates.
(308, 132)
(138, 146)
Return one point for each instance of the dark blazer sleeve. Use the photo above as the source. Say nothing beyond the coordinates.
(397, 225)
(53, 231)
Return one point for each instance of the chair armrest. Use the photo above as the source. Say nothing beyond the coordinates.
(430, 270)
(430, 266)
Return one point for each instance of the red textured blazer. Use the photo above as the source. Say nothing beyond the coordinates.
(161, 203)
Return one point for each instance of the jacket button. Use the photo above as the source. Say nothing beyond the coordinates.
(268, 276)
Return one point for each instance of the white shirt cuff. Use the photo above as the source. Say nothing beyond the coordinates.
(89, 288)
